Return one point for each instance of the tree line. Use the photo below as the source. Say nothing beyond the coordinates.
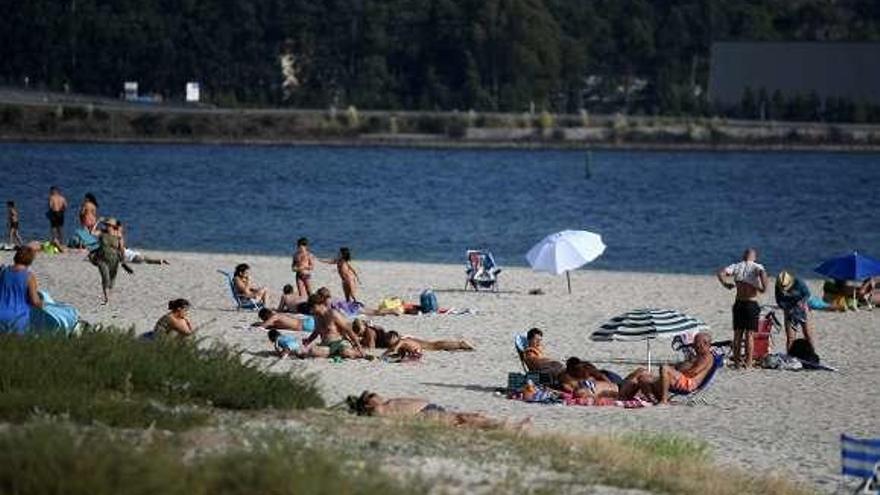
(636, 56)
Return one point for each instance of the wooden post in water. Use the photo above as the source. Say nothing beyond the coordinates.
(588, 165)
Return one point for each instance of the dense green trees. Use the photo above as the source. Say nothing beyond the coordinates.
(643, 56)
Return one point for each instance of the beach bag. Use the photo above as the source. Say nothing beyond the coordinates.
(802, 350)
(394, 304)
(428, 301)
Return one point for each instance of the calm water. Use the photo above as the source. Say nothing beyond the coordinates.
(682, 212)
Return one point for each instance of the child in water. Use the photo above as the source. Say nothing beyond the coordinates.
(12, 223)
(349, 276)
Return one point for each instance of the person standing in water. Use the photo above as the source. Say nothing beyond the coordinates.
(303, 264)
(749, 279)
(12, 223)
(349, 276)
(57, 207)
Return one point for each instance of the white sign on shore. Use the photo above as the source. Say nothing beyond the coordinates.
(130, 90)
(192, 92)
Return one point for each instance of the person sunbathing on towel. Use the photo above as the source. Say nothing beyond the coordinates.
(283, 321)
(534, 358)
(408, 346)
(373, 404)
(370, 335)
(583, 379)
(682, 377)
(334, 331)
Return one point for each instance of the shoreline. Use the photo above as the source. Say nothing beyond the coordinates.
(745, 410)
(441, 143)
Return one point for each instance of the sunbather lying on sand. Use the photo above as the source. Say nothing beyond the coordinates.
(583, 379)
(283, 321)
(534, 358)
(682, 377)
(408, 346)
(373, 404)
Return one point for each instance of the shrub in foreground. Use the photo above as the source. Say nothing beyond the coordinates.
(112, 377)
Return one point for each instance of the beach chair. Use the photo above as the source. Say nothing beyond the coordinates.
(860, 458)
(482, 272)
(240, 301)
(696, 396)
(520, 342)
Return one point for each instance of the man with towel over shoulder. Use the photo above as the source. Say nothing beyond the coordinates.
(749, 279)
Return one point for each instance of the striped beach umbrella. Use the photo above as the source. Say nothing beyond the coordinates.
(647, 324)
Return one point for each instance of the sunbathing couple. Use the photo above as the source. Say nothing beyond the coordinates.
(372, 404)
(582, 379)
(338, 337)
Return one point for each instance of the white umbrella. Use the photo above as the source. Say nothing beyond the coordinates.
(565, 251)
(647, 325)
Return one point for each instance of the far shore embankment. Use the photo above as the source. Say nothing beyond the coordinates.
(103, 121)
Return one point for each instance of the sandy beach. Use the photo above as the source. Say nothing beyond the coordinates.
(780, 422)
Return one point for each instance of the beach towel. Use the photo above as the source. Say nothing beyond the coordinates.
(53, 316)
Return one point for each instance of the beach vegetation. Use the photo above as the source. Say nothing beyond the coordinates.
(110, 376)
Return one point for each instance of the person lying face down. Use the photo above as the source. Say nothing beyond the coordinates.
(373, 404)
(583, 379)
(283, 321)
(534, 358)
(685, 376)
(408, 346)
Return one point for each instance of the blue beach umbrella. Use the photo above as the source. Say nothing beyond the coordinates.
(853, 266)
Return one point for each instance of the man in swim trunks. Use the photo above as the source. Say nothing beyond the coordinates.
(749, 279)
(534, 358)
(682, 377)
(334, 331)
(372, 404)
(283, 321)
(303, 264)
(57, 207)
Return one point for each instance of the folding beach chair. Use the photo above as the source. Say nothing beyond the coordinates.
(860, 458)
(696, 396)
(241, 302)
(520, 342)
(482, 272)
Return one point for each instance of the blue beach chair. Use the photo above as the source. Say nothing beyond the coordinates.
(696, 396)
(241, 302)
(860, 458)
(482, 272)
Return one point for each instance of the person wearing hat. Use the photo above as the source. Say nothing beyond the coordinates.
(792, 295)
(108, 255)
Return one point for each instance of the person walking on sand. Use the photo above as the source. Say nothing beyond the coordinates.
(749, 279)
(303, 264)
(108, 256)
(57, 207)
(350, 277)
(12, 224)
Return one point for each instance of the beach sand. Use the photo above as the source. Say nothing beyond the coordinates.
(782, 422)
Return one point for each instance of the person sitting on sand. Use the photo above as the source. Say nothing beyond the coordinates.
(373, 404)
(583, 379)
(176, 321)
(244, 288)
(283, 321)
(408, 346)
(88, 213)
(534, 358)
(18, 292)
(290, 302)
(334, 332)
(350, 309)
(285, 345)
(682, 377)
(749, 279)
(349, 276)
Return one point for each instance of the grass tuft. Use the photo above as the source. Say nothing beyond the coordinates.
(111, 377)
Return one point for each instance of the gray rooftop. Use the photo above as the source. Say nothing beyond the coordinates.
(831, 69)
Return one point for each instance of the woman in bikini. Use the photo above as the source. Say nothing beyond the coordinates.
(245, 288)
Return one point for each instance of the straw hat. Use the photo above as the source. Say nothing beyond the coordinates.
(784, 280)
